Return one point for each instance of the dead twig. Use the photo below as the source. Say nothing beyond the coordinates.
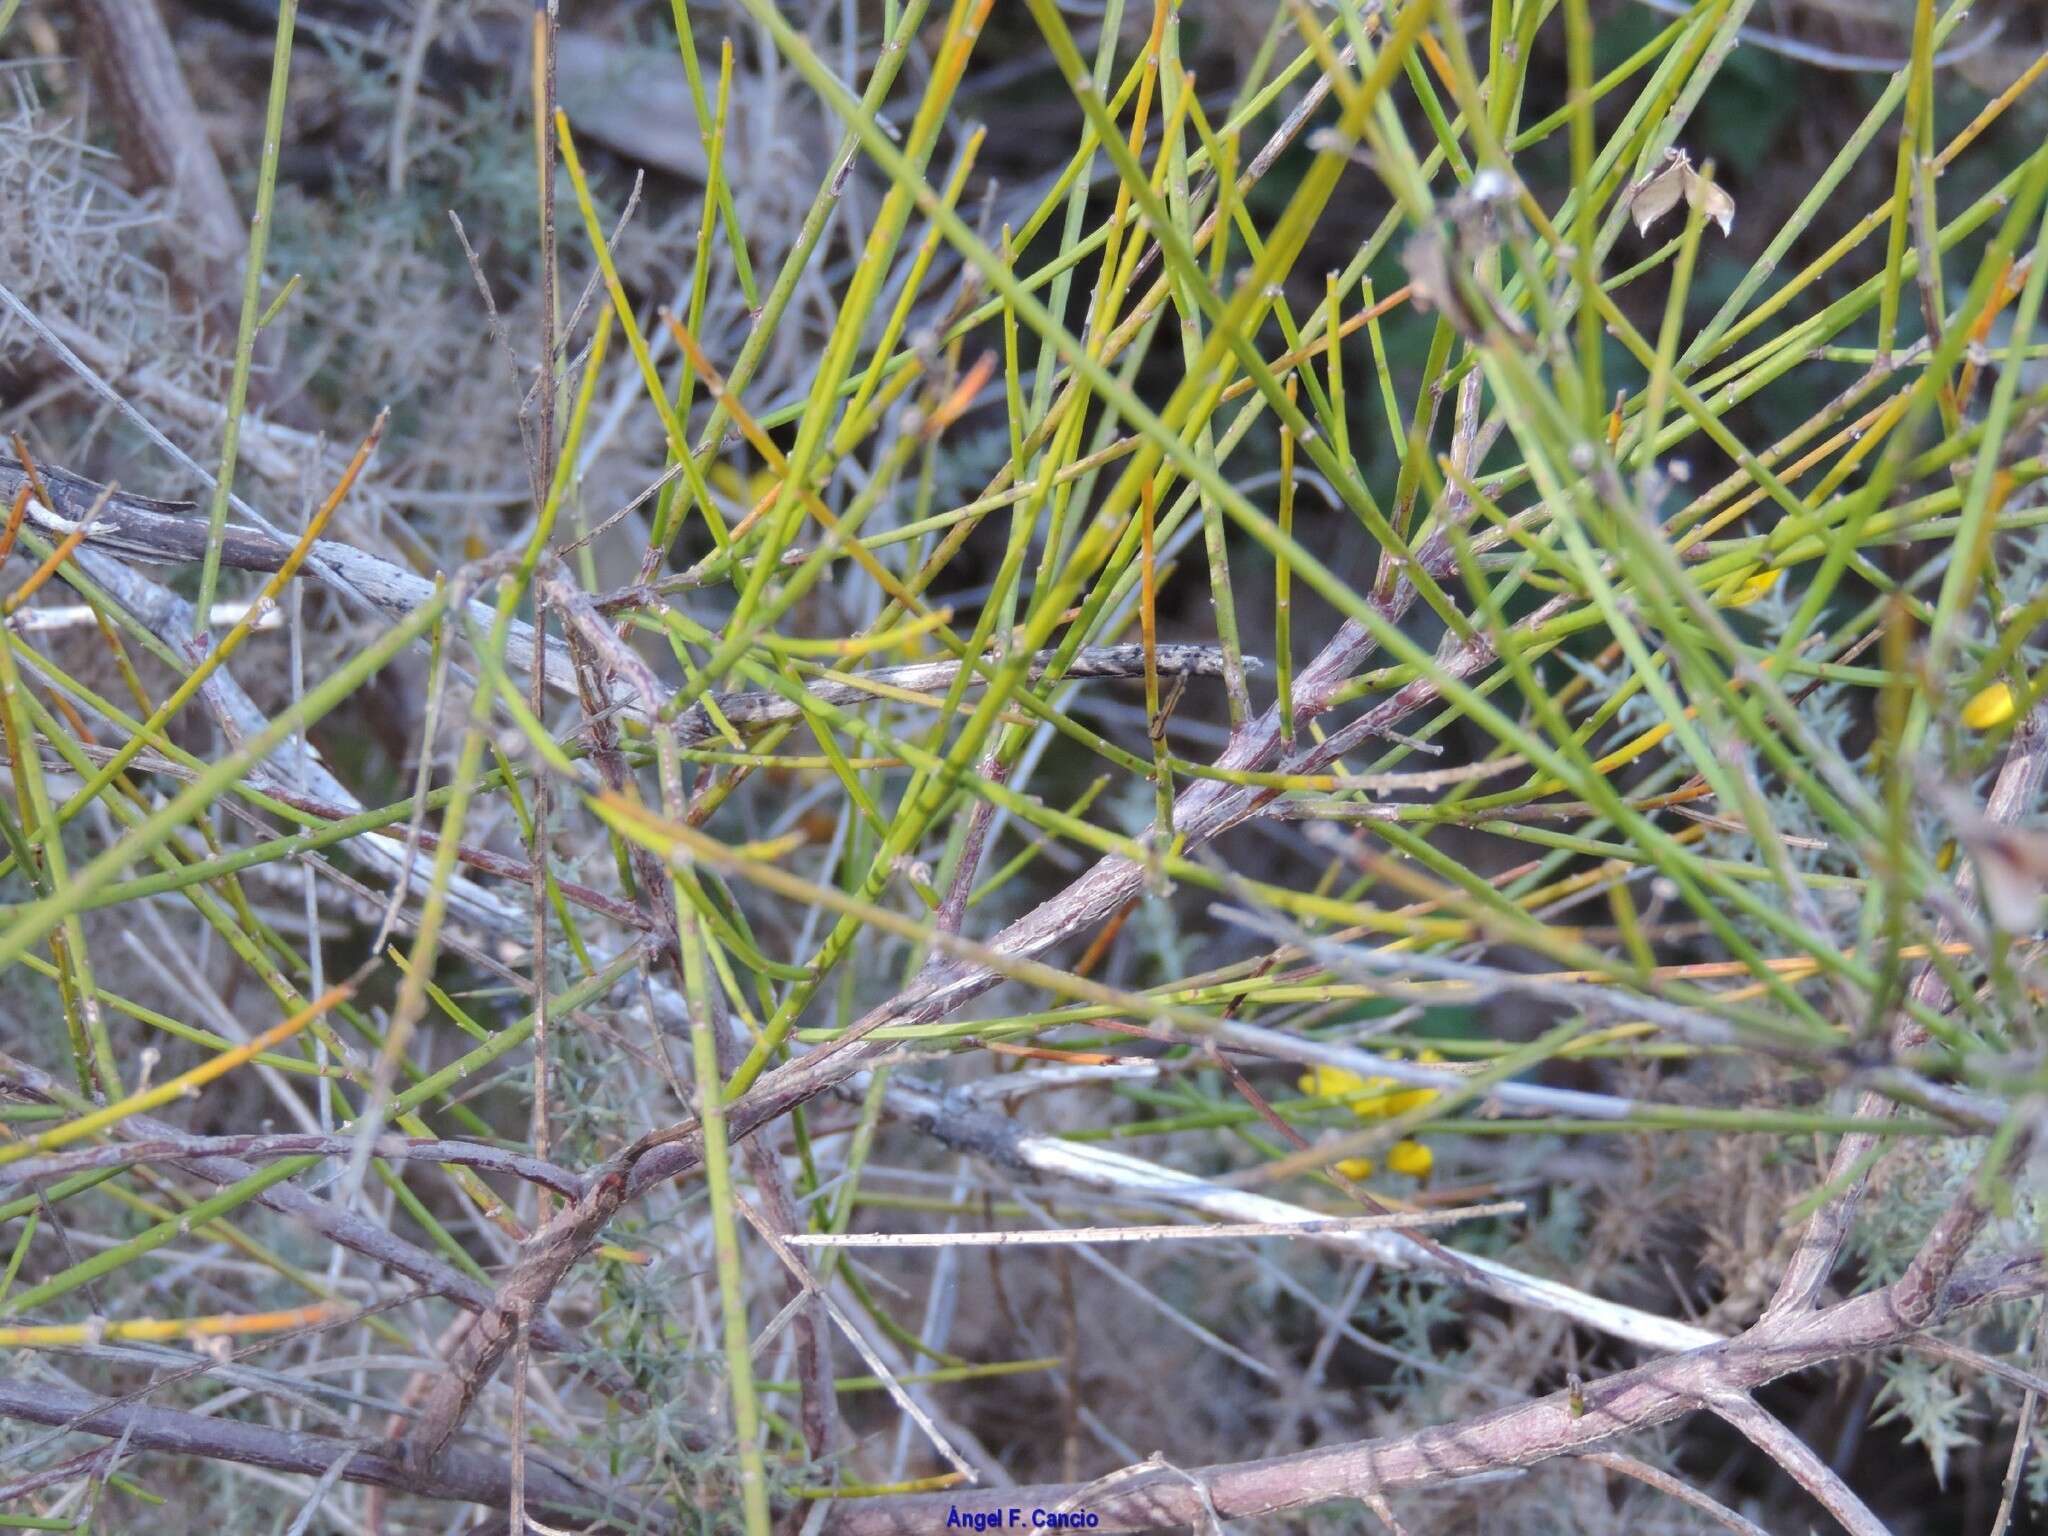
(1677, 1487)
(1797, 1458)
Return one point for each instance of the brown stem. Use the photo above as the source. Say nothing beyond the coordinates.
(521, 1301)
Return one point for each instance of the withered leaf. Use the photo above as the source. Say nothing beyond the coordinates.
(1440, 258)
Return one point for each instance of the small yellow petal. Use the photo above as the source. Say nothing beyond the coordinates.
(1754, 588)
(1391, 1098)
(1994, 706)
(1330, 1082)
(1355, 1167)
(1414, 1098)
(1411, 1158)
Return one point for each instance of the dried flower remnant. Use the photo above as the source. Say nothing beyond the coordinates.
(1658, 193)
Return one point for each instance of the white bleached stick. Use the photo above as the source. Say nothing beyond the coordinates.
(1170, 1232)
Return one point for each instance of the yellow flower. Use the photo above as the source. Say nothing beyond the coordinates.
(1754, 588)
(1369, 1098)
(1392, 1104)
(1377, 1098)
(1411, 1158)
(1994, 706)
(1395, 1100)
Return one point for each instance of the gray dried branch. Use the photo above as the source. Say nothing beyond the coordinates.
(324, 1219)
(1797, 1458)
(520, 1304)
(815, 1295)
(958, 1124)
(1678, 1488)
(753, 709)
(172, 532)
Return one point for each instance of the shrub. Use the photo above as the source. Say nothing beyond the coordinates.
(1403, 639)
